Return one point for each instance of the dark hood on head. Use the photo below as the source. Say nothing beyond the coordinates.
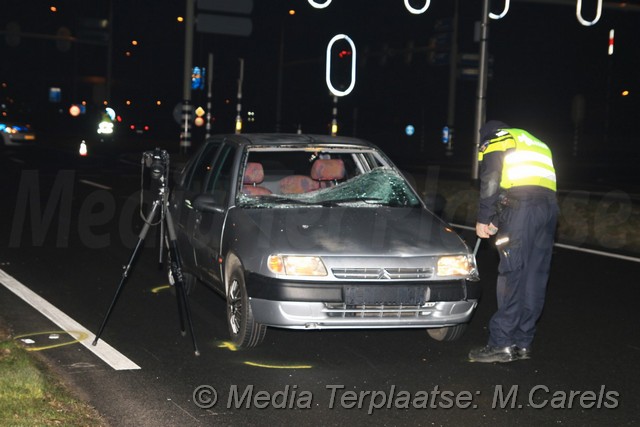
(491, 127)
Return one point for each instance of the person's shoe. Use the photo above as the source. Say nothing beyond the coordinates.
(488, 354)
(523, 353)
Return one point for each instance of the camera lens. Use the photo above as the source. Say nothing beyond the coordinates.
(157, 169)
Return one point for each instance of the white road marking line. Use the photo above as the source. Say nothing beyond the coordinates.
(104, 351)
(94, 184)
(573, 248)
(596, 252)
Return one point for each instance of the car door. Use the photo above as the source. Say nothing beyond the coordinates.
(191, 185)
(209, 222)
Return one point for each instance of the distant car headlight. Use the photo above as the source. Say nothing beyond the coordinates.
(105, 128)
(8, 129)
(456, 265)
(293, 265)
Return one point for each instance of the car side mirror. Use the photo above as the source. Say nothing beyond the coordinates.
(207, 203)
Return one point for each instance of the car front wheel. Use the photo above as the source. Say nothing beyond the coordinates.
(448, 333)
(244, 330)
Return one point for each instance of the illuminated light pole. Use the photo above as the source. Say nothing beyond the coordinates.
(334, 120)
(607, 105)
(239, 105)
(336, 92)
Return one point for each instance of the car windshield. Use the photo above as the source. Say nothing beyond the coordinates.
(294, 179)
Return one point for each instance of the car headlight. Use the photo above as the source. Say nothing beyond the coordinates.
(456, 265)
(294, 265)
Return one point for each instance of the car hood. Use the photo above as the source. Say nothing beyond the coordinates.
(362, 231)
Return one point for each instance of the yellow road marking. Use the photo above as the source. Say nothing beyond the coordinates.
(228, 345)
(263, 365)
(157, 289)
(79, 336)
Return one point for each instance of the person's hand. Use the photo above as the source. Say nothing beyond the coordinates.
(485, 231)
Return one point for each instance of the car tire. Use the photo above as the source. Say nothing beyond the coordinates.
(448, 333)
(244, 331)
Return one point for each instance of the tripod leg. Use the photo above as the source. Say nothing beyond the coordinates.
(176, 271)
(125, 274)
(178, 282)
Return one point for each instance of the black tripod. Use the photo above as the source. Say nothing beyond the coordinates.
(158, 161)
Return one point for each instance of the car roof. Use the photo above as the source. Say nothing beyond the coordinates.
(248, 139)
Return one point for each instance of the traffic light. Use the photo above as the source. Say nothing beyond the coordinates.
(341, 65)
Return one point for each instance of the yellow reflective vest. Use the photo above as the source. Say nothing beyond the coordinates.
(527, 160)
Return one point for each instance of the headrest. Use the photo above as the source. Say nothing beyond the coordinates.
(253, 174)
(296, 184)
(328, 169)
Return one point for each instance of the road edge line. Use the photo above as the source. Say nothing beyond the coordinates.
(572, 247)
(104, 351)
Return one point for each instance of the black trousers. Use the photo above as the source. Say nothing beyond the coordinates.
(525, 244)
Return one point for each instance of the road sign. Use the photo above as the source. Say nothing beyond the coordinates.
(228, 6)
(219, 24)
(445, 135)
(224, 24)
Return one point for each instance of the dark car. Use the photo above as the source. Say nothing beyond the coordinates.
(16, 134)
(318, 232)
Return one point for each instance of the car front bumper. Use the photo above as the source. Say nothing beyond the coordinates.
(317, 315)
(360, 305)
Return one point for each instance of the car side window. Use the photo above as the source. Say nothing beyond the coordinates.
(195, 179)
(219, 183)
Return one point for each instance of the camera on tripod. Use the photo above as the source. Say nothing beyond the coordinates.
(158, 163)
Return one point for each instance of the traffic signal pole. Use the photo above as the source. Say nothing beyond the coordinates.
(481, 97)
(185, 135)
(453, 77)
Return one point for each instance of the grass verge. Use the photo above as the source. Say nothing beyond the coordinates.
(31, 395)
(609, 222)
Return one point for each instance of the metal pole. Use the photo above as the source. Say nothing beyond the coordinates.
(110, 54)
(280, 75)
(185, 135)
(481, 100)
(239, 106)
(453, 77)
(334, 114)
(209, 95)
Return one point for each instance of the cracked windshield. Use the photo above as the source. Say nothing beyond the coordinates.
(281, 179)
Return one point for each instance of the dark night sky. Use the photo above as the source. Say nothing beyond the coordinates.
(542, 59)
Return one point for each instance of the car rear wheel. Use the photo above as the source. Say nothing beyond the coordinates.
(244, 330)
(448, 333)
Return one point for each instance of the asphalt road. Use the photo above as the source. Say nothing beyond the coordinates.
(68, 225)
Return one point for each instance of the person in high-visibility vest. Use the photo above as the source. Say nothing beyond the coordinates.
(518, 205)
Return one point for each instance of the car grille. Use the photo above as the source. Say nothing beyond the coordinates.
(371, 311)
(382, 273)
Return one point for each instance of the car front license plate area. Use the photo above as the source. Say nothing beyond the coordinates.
(385, 295)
